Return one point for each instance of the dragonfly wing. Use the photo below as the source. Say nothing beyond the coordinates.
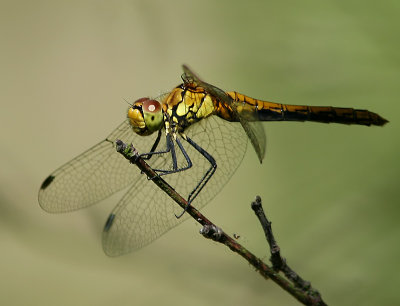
(255, 132)
(146, 212)
(143, 214)
(92, 175)
(254, 129)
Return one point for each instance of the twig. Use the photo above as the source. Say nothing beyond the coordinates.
(278, 262)
(213, 232)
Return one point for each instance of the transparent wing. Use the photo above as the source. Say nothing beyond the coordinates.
(93, 175)
(254, 129)
(146, 212)
(255, 132)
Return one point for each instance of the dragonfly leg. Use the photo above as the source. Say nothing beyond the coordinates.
(176, 169)
(152, 151)
(169, 149)
(148, 155)
(210, 172)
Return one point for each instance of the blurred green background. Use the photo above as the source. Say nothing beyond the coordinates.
(331, 191)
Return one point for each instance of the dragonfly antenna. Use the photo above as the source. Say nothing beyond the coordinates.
(130, 104)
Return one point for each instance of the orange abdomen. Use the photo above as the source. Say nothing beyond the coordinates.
(270, 111)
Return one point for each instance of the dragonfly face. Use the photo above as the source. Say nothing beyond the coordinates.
(145, 116)
(187, 134)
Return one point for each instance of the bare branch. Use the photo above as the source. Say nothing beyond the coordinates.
(215, 233)
(278, 262)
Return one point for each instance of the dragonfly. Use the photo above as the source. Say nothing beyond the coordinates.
(195, 136)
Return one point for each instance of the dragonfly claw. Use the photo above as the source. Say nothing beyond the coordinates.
(183, 212)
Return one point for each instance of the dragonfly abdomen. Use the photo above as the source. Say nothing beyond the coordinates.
(324, 114)
(270, 111)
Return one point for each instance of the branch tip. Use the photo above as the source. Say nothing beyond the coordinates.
(301, 290)
(279, 263)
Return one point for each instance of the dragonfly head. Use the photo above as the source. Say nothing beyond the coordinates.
(145, 116)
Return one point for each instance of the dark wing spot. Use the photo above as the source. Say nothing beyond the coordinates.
(109, 222)
(47, 182)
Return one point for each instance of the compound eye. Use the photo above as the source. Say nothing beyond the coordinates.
(152, 114)
(151, 106)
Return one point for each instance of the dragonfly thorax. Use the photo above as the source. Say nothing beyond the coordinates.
(145, 116)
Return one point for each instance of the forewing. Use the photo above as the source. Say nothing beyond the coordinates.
(146, 212)
(92, 175)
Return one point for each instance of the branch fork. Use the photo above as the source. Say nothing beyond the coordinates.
(290, 281)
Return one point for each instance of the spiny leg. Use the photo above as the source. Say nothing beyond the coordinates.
(210, 172)
(169, 149)
(147, 156)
